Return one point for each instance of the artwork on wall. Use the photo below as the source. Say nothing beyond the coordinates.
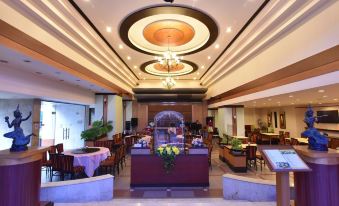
(282, 119)
(275, 120)
(269, 119)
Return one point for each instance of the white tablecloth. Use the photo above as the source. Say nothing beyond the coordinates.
(91, 161)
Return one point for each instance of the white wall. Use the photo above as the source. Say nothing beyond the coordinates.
(98, 107)
(115, 113)
(224, 121)
(240, 121)
(7, 107)
(129, 110)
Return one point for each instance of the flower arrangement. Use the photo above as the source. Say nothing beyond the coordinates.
(168, 154)
(197, 142)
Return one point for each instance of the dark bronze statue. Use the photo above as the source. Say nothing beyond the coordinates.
(20, 141)
(316, 141)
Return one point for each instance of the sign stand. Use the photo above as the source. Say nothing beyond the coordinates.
(283, 161)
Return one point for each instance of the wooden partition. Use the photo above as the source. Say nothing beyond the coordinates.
(20, 177)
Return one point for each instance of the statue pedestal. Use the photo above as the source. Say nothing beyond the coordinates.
(20, 177)
(320, 186)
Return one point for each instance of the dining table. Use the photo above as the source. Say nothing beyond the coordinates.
(91, 161)
(270, 136)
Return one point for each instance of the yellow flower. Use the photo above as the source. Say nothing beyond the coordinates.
(176, 151)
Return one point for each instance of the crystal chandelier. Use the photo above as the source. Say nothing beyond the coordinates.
(168, 82)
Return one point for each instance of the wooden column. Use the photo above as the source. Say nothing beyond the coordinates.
(283, 189)
(234, 121)
(36, 122)
(20, 177)
(104, 109)
(321, 186)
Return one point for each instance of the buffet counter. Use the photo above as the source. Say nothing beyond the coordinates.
(189, 171)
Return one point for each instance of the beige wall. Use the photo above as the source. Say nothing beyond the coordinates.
(294, 119)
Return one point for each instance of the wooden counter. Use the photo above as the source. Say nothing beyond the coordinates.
(189, 171)
(20, 177)
(236, 162)
(320, 186)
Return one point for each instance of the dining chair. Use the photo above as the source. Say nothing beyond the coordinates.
(281, 138)
(294, 141)
(108, 165)
(60, 148)
(56, 162)
(251, 156)
(260, 158)
(45, 163)
(68, 167)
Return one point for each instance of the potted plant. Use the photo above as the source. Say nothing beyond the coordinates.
(236, 147)
(98, 130)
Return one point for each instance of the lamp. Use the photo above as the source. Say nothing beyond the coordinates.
(169, 82)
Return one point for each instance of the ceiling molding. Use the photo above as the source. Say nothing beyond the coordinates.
(76, 7)
(57, 19)
(237, 36)
(321, 63)
(271, 23)
(19, 41)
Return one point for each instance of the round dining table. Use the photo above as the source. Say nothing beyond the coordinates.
(91, 161)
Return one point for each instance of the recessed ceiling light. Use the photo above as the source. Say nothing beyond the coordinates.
(278, 102)
(217, 46)
(292, 103)
(202, 67)
(264, 103)
(321, 91)
(254, 102)
(181, 57)
(27, 61)
(3, 61)
(269, 99)
(120, 46)
(177, 78)
(320, 103)
(324, 96)
(209, 57)
(144, 78)
(139, 73)
(290, 96)
(135, 67)
(229, 29)
(160, 78)
(198, 73)
(335, 99)
(129, 58)
(108, 29)
(194, 78)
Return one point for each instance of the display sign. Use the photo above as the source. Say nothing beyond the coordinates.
(281, 160)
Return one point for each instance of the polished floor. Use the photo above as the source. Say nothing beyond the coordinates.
(171, 202)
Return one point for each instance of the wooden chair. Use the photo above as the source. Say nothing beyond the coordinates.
(60, 148)
(334, 143)
(294, 141)
(52, 150)
(260, 158)
(45, 163)
(281, 138)
(108, 165)
(68, 168)
(56, 169)
(251, 156)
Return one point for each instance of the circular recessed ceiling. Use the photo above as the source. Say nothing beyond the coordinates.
(153, 67)
(183, 30)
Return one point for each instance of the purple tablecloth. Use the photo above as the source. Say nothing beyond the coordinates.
(90, 161)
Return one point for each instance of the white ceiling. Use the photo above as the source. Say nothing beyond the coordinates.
(17, 60)
(226, 13)
(319, 96)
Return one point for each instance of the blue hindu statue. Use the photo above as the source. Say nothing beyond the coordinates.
(20, 141)
(316, 141)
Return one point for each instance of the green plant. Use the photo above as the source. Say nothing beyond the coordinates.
(97, 130)
(236, 144)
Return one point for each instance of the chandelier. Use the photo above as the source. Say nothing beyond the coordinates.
(168, 82)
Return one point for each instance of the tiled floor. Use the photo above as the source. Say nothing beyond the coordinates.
(171, 202)
(124, 195)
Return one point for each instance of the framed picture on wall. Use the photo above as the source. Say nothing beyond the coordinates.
(269, 119)
(275, 120)
(282, 120)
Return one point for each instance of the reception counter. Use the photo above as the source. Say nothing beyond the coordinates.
(189, 170)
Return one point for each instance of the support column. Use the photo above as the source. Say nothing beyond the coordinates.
(36, 122)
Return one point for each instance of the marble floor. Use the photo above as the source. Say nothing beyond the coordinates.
(170, 202)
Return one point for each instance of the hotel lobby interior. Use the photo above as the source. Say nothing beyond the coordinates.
(169, 102)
